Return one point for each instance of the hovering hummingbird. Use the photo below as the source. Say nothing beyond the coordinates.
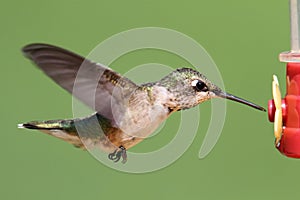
(126, 113)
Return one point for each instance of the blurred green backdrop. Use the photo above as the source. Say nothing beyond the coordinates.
(243, 37)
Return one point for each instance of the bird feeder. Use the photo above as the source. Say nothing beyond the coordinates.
(285, 113)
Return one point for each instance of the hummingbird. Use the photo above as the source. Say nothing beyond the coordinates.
(125, 112)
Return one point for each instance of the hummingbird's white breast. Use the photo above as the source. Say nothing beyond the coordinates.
(146, 110)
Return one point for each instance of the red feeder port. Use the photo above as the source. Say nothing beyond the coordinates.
(290, 141)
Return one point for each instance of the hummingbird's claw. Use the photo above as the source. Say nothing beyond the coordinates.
(123, 154)
(112, 155)
(117, 154)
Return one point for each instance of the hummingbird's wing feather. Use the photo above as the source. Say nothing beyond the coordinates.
(94, 84)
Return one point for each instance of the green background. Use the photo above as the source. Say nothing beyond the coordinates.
(243, 37)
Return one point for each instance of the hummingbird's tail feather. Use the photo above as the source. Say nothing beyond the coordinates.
(62, 129)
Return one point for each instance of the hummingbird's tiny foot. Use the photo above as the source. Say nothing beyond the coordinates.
(123, 154)
(117, 154)
(112, 156)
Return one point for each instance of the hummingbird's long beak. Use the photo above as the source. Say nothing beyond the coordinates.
(240, 100)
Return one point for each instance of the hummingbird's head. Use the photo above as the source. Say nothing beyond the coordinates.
(191, 88)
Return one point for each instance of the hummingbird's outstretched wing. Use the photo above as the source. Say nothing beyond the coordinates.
(94, 84)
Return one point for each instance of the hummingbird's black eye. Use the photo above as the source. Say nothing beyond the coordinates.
(199, 86)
